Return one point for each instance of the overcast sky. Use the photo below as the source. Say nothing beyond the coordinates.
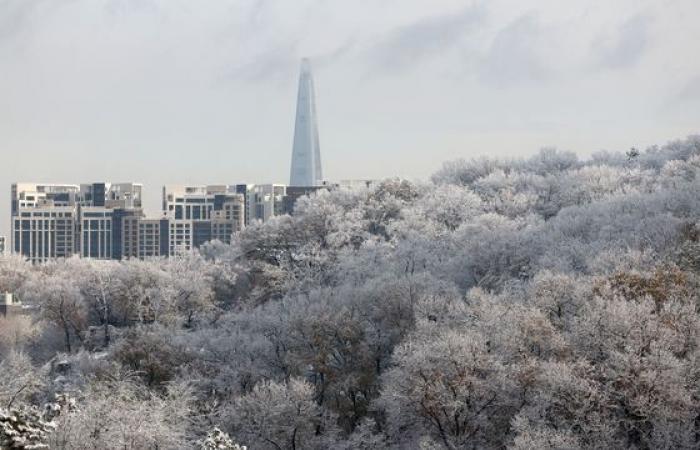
(175, 91)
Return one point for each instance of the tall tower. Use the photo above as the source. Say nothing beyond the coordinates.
(306, 152)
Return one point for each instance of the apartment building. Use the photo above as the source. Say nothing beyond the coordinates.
(60, 220)
(106, 221)
(201, 213)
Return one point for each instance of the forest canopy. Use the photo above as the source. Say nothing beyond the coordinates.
(549, 302)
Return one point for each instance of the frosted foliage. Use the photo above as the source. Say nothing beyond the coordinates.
(123, 415)
(19, 380)
(549, 302)
(280, 415)
(219, 440)
(449, 386)
(24, 428)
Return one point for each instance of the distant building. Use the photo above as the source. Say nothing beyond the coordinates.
(96, 232)
(103, 206)
(196, 202)
(33, 195)
(306, 150)
(110, 195)
(59, 220)
(145, 238)
(357, 184)
(293, 193)
(2, 245)
(153, 238)
(44, 233)
(120, 217)
(180, 236)
(106, 220)
(201, 213)
(265, 201)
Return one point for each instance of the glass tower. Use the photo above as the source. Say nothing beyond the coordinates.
(306, 152)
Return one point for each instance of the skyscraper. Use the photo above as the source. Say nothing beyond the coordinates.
(306, 152)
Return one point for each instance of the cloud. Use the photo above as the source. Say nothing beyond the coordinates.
(335, 55)
(514, 54)
(423, 39)
(274, 64)
(625, 46)
(691, 90)
(126, 7)
(15, 15)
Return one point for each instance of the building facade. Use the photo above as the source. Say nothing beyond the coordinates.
(306, 150)
(202, 213)
(106, 221)
(265, 201)
(96, 232)
(60, 220)
(44, 233)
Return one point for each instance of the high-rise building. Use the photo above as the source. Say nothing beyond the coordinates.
(105, 220)
(145, 238)
(59, 220)
(197, 202)
(153, 238)
(265, 201)
(201, 213)
(110, 195)
(306, 151)
(120, 239)
(2, 245)
(44, 220)
(96, 232)
(180, 236)
(32, 195)
(44, 232)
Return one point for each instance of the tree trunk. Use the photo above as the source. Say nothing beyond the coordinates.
(66, 332)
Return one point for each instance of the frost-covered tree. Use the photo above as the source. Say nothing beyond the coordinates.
(545, 302)
(450, 387)
(56, 291)
(282, 416)
(17, 333)
(121, 414)
(219, 440)
(19, 380)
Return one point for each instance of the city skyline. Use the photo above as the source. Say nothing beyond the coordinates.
(106, 220)
(163, 92)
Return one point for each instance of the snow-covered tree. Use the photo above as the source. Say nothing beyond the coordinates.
(282, 416)
(219, 440)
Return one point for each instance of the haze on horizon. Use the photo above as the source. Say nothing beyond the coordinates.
(170, 91)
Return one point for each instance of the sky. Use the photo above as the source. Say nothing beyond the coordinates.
(182, 91)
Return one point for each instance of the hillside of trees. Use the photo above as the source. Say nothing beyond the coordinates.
(543, 303)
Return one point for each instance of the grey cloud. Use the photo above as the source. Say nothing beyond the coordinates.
(272, 65)
(512, 57)
(15, 15)
(337, 54)
(125, 7)
(626, 46)
(277, 63)
(691, 90)
(423, 39)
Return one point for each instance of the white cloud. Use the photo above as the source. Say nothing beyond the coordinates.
(626, 45)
